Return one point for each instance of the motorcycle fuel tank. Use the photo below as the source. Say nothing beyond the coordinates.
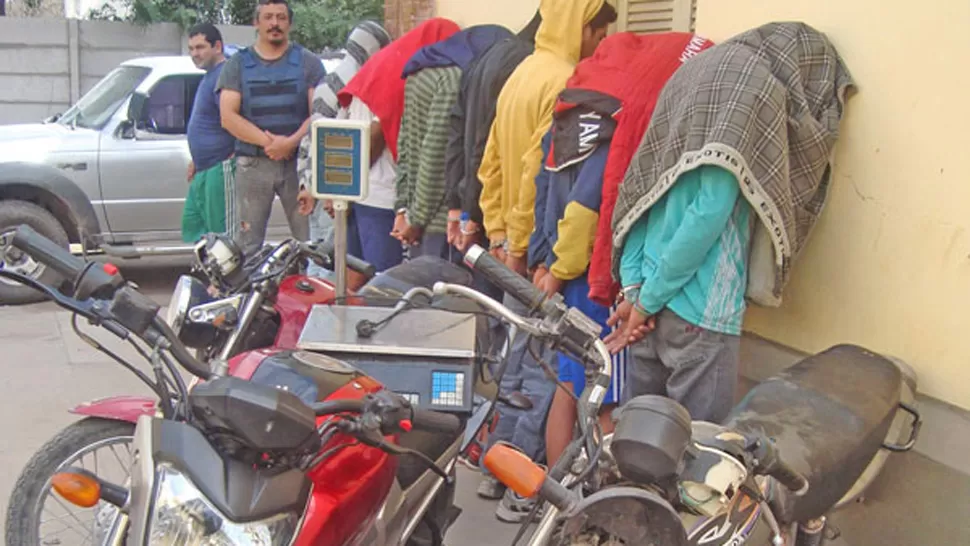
(350, 486)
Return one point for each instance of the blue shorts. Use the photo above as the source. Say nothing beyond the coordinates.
(369, 237)
(576, 294)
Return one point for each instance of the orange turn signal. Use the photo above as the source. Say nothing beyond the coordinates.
(514, 469)
(78, 489)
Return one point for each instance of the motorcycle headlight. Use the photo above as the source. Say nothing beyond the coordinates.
(189, 292)
(181, 516)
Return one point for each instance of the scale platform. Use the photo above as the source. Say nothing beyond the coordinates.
(425, 355)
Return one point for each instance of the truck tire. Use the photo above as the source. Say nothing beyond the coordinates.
(12, 214)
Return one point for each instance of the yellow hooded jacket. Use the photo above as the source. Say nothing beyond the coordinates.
(513, 155)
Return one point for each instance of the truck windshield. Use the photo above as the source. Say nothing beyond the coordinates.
(98, 105)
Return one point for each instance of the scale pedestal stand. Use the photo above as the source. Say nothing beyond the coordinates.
(340, 210)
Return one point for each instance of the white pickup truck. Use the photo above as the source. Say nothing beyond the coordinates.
(109, 174)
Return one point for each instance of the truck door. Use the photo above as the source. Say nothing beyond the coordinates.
(143, 168)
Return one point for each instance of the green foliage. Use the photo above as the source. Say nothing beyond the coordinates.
(321, 24)
(317, 24)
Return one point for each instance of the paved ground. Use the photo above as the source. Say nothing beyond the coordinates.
(49, 370)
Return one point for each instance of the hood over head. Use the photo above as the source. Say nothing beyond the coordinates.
(379, 84)
(561, 30)
(459, 50)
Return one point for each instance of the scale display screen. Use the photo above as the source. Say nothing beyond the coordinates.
(340, 159)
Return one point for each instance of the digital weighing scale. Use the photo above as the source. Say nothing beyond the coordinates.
(425, 355)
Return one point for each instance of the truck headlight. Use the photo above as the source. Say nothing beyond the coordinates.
(181, 516)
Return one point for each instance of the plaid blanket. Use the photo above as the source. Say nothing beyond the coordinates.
(765, 105)
(366, 39)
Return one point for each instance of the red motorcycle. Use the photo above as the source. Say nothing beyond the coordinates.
(235, 427)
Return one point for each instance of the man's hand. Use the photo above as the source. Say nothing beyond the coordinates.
(400, 226)
(632, 326)
(498, 253)
(328, 206)
(305, 202)
(412, 234)
(191, 174)
(279, 148)
(517, 264)
(539, 274)
(454, 228)
(549, 284)
(469, 236)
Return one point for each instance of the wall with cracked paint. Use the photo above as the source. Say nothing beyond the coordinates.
(888, 266)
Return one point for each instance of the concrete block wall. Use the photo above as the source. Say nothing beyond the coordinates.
(46, 64)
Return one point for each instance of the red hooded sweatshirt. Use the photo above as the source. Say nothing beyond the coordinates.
(633, 69)
(379, 84)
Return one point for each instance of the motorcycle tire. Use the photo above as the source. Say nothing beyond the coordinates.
(24, 511)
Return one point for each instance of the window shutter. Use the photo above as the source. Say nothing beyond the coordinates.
(646, 16)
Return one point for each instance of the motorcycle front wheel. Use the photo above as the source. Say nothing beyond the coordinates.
(37, 516)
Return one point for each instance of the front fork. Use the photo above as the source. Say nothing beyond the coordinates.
(119, 531)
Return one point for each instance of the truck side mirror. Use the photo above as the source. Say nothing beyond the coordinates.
(136, 107)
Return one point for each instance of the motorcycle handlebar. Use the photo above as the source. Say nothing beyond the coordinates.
(433, 421)
(509, 281)
(354, 263)
(789, 477)
(94, 281)
(770, 463)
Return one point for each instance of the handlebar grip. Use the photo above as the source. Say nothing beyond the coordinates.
(509, 281)
(360, 266)
(789, 477)
(96, 282)
(434, 421)
(354, 263)
(47, 252)
(337, 406)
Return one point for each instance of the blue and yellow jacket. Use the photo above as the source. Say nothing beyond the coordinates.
(567, 213)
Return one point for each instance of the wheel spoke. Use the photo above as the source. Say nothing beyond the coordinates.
(62, 529)
(87, 534)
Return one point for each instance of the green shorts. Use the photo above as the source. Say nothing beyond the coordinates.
(209, 205)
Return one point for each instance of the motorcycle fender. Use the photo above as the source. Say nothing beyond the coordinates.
(118, 408)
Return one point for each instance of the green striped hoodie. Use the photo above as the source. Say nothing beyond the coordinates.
(429, 96)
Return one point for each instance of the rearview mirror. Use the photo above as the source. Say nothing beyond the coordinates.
(136, 107)
(475, 423)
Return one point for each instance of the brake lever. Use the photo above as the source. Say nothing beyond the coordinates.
(368, 431)
(397, 450)
(85, 308)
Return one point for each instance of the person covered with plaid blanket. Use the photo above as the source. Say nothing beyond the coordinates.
(734, 167)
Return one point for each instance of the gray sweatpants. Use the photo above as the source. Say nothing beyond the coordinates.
(696, 367)
(258, 180)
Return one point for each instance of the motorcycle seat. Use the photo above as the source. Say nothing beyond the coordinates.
(433, 445)
(424, 271)
(828, 415)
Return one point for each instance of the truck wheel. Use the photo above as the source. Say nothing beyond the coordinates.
(12, 215)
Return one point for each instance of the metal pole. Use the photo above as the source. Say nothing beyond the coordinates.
(340, 246)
